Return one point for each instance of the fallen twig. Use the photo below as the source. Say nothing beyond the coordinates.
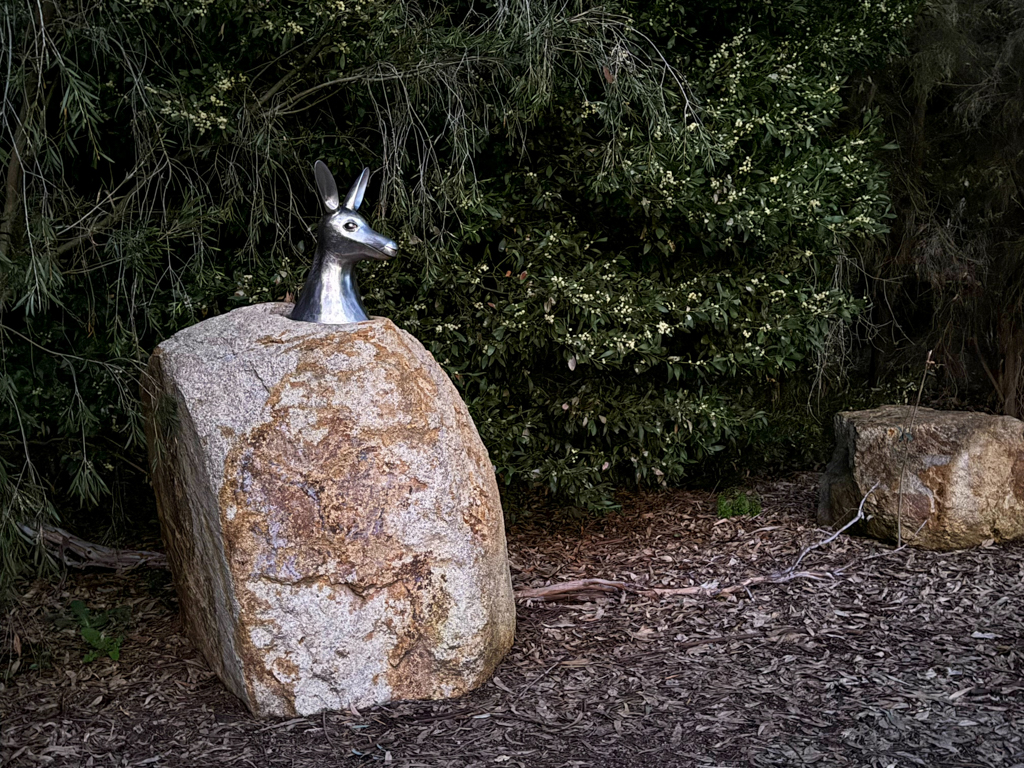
(856, 519)
(571, 588)
(75, 552)
(589, 586)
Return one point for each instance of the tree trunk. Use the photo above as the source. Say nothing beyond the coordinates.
(1011, 376)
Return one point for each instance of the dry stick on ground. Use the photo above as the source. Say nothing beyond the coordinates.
(79, 553)
(585, 586)
(853, 521)
(588, 586)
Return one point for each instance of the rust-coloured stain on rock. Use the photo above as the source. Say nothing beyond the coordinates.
(310, 501)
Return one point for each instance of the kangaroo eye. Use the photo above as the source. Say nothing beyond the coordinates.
(350, 226)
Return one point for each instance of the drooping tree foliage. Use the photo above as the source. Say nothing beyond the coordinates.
(623, 227)
(951, 275)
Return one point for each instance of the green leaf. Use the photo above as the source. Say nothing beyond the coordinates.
(81, 612)
(91, 636)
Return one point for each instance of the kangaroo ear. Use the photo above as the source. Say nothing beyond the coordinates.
(355, 194)
(327, 186)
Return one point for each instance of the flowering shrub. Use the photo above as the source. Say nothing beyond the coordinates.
(620, 226)
(621, 307)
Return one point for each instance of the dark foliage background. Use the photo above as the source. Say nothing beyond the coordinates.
(640, 236)
(950, 276)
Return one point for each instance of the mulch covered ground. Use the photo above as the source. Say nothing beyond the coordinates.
(871, 658)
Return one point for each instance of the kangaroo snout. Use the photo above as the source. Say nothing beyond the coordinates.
(388, 249)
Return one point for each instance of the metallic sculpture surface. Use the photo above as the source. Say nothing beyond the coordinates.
(331, 293)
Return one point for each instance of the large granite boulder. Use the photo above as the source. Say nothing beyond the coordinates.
(961, 476)
(331, 516)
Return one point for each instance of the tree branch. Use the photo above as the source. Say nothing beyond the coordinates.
(377, 74)
(988, 371)
(276, 87)
(19, 145)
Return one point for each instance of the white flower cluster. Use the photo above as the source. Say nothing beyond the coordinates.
(225, 83)
(198, 7)
(198, 118)
(290, 27)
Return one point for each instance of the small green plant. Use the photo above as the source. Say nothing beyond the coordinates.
(100, 630)
(738, 503)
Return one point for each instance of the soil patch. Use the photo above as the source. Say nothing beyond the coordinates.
(879, 658)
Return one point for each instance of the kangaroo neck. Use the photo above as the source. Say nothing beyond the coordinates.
(339, 294)
(331, 294)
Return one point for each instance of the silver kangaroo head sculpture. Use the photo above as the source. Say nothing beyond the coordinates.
(331, 293)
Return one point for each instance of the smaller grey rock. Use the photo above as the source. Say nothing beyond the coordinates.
(955, 480)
